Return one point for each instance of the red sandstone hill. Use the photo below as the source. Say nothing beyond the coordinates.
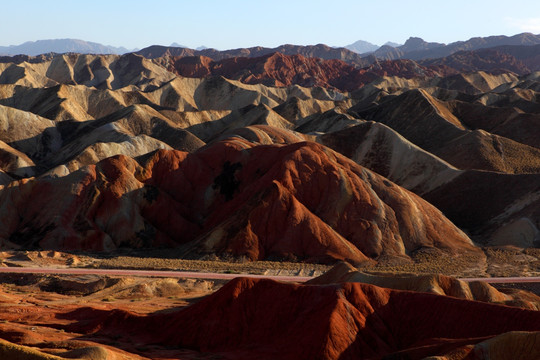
(264, 319)
(277, 69)
(298, 201)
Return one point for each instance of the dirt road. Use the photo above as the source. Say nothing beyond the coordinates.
(146, 273)
(208, 275)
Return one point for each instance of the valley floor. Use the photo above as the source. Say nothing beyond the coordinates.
(498, 262)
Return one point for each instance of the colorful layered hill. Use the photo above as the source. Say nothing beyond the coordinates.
(341, 321)
(300, 201)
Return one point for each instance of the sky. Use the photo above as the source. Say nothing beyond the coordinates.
(230, 24)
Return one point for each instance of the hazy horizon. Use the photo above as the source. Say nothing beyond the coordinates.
(241, 23)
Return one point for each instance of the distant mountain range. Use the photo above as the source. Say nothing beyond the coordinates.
(175, 44)
(363, 47)
(318, 51)
(417, 49)
(414, 48)
(61, 46)
(517, 53)
(392, 44)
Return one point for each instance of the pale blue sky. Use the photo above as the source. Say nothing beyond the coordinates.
(242, 23)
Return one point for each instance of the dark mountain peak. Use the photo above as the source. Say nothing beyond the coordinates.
(414, 41)
(417, 44)
(526, 38)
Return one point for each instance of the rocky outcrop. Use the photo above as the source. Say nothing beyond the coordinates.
(10, 350)
(511, 345)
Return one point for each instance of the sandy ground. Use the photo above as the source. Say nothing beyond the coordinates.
(30, 305)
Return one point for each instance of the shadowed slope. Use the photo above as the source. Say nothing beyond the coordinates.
(429, 123)
(482, 209)
(346, 321)
(384, 151)
(5, 178)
